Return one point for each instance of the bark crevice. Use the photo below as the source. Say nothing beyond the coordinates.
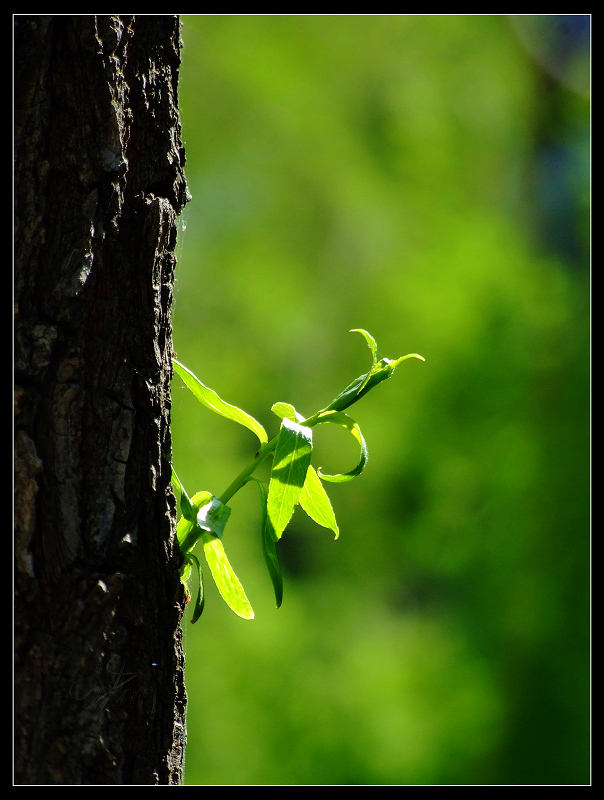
(99, 184)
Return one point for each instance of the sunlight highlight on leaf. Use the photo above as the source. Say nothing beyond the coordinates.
(316, 503)
(211, 400)
(227, 582)
(291, 460)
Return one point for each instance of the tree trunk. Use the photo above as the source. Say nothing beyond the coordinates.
(99, 692)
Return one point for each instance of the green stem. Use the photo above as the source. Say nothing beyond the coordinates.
(240, 480)
(261, 455)
(265, 450)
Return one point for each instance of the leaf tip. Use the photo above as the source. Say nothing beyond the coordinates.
(394, 364)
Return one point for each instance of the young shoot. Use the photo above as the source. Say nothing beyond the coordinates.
(293, 481)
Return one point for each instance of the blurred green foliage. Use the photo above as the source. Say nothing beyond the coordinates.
(427, 179)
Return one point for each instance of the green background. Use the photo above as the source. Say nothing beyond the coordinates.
(425, 178)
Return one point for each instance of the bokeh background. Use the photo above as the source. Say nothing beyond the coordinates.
(425, 178)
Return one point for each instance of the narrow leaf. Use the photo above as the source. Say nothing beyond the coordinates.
(379, 371)
(200, 601)
(268, 544)
(349, 395)
(290, 463)
(370, 341)
(185, 571)
(185, 503)
(227, 582)
(394, 364)
(183, 530)
(176, 481)
(315, 502)
(351, 392)
(339, 418)
(272, 562)
(210, 399)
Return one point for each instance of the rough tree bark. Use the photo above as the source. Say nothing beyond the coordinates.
(99, 692)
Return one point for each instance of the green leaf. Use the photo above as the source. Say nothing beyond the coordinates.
(372, 346)
(199, 602)
(186, 508)
(350, 394)
(370, 341)
(209, 521)
(268, 544)
(287, 411)
(227, 582)
(210, 399)
(379, 371)
(315, 502)
(185, 571)
(290, 463)
(183, 530)
(394, 364)
(339, 418)
(176, 481)
(272, 562)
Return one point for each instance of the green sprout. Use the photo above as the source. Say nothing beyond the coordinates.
(293, 481)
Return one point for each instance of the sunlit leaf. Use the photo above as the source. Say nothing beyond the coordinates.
(183, 529)
(373, 347)
(185, 571)
(292, 481)
(315, 502)
(210, 519)
(227, 582)
(185, 503)
(290, 463)
(287, 411)
(370, 341)
(210, 399)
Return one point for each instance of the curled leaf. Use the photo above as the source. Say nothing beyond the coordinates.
(339, 418)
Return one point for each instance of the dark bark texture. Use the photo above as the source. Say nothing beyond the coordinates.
(99, 691)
